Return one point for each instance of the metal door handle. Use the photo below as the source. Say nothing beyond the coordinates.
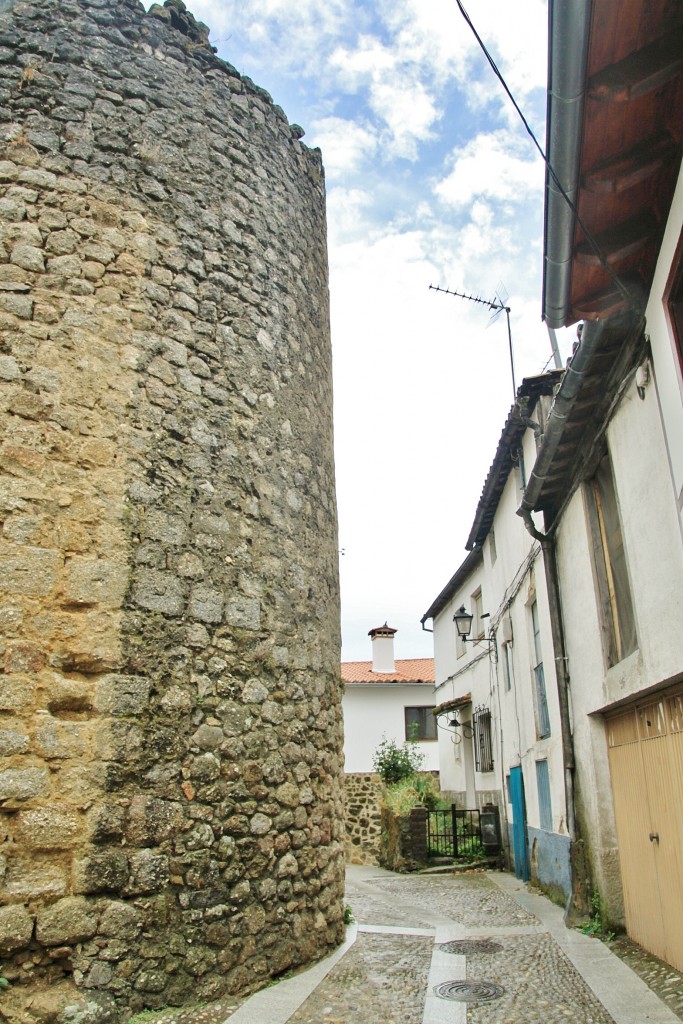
(654, 837)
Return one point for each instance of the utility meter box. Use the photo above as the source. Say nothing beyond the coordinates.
(489, 820)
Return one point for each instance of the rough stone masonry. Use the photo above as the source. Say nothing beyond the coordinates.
(171, 822)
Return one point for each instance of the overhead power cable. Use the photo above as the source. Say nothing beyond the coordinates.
(619, 285)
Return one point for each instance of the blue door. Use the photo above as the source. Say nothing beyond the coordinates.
(519, 844)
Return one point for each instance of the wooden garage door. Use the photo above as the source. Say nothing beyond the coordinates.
(646, 764)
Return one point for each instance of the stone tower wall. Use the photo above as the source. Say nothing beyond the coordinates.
(171, 821)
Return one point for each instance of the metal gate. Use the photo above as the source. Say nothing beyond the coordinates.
(453, 833)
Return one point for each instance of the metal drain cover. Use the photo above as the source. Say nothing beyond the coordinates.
(468, 991)
(470, 947)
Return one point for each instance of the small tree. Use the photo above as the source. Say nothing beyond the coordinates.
(394, 763)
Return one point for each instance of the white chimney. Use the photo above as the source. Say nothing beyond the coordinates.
(383, 649)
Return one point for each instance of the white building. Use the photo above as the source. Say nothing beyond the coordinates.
(605, 496)
(500, 685)
(602, 502)
(387, 698)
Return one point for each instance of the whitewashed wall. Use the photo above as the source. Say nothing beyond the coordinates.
(668, 376)
(645, 440)
(514, 721)
(371, 712)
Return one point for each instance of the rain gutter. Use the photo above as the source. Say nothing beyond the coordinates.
(565, 398)
(569, 28)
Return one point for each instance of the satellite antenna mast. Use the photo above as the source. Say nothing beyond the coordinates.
(497, 305)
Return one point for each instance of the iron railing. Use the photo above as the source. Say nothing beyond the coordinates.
(483, 746)
(453, 833)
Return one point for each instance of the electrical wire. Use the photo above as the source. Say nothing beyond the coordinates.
(616, 281)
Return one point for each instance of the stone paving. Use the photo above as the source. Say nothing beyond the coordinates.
(541, 986)
(405, 924)
(382, 978)
(663, 979)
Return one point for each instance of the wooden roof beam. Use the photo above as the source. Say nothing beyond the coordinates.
(641, 72)
(621, 241)
(601, 304)
(631, 168)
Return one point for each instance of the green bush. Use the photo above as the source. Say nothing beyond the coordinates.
(394, 763)
(418, 790)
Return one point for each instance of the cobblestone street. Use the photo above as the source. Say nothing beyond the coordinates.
(415, 934)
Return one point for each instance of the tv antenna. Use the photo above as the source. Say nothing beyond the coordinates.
(497, 305)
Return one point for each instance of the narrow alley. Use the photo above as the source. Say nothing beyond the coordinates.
(479, 948)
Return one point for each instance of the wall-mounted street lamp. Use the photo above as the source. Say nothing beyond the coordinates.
(453, 722)
(463, 624)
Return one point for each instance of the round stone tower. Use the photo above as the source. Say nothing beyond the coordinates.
(170, 724)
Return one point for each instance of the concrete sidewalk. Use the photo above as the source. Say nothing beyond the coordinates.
(392, 961)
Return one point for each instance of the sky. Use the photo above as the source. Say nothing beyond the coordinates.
(431, 180)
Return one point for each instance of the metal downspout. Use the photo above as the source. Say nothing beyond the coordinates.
(577, 901)
(569, 26)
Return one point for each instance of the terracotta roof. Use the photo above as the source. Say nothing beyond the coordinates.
(408, 670)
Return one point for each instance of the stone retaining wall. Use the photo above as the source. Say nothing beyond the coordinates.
(404, 844)
(170, 728)
(363, 807)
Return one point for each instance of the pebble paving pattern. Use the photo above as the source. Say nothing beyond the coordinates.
(472, 900)
(541, 986)
(375, 908)
(663, 979)
(382, 980)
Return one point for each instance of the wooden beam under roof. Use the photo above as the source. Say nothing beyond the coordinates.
(641, 72)
(620, 241)
(631, 168)
(608, 300)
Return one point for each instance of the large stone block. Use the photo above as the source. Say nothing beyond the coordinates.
(96, 581)
(243, 612)
(19, 784)
(122, 695)
(159, 591)
(102, 871)
(47, 828)
(65, 922)
(12, 742)
(31, 572)
(16, 928)
(151, 821)
(149, 873)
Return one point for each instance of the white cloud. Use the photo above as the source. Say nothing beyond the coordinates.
(346, 144)
(396, 94)
(491, 165)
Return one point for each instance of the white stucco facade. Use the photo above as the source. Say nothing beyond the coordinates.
(375, 711)
(645, 444)
(500, 677)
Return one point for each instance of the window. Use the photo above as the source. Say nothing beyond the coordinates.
(610, 563)
(478, 613)
(493, 554)
(545, 810)
(506, 658)
(420, 723)
(542, 717)
(481, 736)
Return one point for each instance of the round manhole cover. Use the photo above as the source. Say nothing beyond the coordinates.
(468, 991)
(470, 947)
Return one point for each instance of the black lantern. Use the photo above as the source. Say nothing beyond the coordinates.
(463, 622)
